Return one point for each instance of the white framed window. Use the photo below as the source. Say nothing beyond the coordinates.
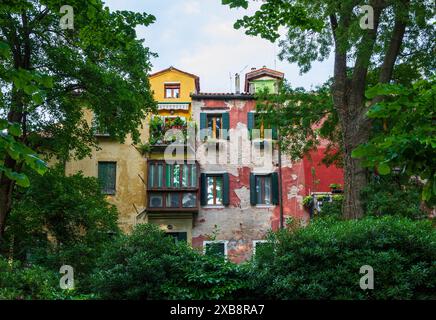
(215, 247)
(172, 90)
(258, 243)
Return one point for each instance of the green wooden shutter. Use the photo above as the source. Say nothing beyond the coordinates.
(203, 126)
(274, 133)
(102, 176)
(253, 200)
(203, 189)
(112, 167)
(226, 125)
(107, 176)
(275, 188)
(226, 189)
(250, 123)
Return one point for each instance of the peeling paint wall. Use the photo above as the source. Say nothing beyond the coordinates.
(240, 223)
(131, 167)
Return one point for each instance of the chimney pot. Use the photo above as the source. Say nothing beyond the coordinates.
(253, 68)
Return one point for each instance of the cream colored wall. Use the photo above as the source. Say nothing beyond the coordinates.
(130, 190)
(177, 222)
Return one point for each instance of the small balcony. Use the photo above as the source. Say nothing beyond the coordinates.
(173, 131)
(172, 187)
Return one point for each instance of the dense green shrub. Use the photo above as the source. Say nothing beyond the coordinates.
(61, 220)
(149, 265)
(32, 282)
(322, 261)
(333, 208)
(393, 195)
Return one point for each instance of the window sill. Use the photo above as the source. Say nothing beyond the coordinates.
(265, 206)
(262, 142)
(214, 141)
(211, 206)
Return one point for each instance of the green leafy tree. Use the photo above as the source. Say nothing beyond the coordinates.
(406, 139)
(395, 195)
(60, 220)
(16, 151)
(401, 37)
(49, 74)
(304, 118)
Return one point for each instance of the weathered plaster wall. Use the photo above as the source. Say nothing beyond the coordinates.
(240, 223)
(130, 190)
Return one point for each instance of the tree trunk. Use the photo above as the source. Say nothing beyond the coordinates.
(355, 179)
(6, 188)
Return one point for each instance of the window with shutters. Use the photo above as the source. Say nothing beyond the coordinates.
(255, 122)
(107, 172)
(264, 189)
(214, 126)
(217, 248)
(215, 189)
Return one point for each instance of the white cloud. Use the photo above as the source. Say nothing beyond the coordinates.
(198, 36)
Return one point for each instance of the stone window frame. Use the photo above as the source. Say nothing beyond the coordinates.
(255, 242)
(205, 242)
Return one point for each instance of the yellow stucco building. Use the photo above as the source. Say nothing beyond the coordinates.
(172, 189)
(172, 89)
(125, 168)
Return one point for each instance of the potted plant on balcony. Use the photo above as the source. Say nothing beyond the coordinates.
(336, 188)
(177, 123)
(308, 202)
(145, 148)
(156, 130)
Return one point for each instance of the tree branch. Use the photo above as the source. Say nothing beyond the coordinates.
(393, 51)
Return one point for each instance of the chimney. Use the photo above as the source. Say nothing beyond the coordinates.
(253, 68)
(237, 84)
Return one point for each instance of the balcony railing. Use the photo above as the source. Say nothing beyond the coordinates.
(173, 131)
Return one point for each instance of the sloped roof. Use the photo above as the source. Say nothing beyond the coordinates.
(262, 72)
(222, 96)
(171, 68)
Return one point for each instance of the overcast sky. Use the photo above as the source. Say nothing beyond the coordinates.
(197, 36)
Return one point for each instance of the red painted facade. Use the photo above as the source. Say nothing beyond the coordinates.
(239, 222)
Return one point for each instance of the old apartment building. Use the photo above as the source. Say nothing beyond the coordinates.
(209, 171)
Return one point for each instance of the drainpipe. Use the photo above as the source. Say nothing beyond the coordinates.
(280, 180)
